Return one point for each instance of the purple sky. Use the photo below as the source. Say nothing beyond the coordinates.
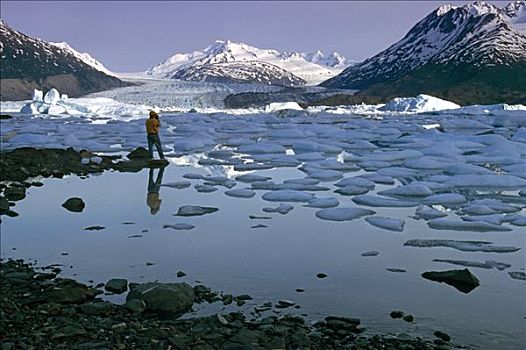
(133, 36)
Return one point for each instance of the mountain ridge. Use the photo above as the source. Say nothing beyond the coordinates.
(471, 42)
(312, 67)
(30, 63)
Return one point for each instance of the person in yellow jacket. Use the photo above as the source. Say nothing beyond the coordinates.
(152, 128)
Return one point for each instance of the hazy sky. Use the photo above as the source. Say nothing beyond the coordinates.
(135, 35)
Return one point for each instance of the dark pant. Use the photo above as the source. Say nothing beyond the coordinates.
(153, 139)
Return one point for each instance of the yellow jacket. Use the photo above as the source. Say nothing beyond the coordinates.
(152, 125)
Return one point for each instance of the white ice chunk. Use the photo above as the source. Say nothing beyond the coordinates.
(356, 181)
(287, 196)
(241, 193)
(378, 201)
(278, 106)
(177, 184)
(460, 225)
(283, 208)
(311, 182)
(419, 104)
(410, 190)
(180, 226)
(343, 214)
(248, 178)
(386, 223)
(467, 246)
(352, 190)
(445, 199)
(38, 96)
(323, 202)
(52, 97)
(261, 148)
(427, 213)
(96, 160)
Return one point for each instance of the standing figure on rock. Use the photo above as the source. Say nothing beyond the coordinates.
(152, 128)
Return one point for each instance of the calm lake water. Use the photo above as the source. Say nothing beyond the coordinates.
(226, 254)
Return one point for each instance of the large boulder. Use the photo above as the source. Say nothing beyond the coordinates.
(463, 280)
(140, 153)
(163, 298)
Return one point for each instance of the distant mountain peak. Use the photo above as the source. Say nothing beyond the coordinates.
(442, 10)
(312, 67)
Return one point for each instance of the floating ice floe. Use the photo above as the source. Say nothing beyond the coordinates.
(241, 193)
(323, 202)
(180, 226)
(248, 178)
(287, 196)
(410, 190)
(467, 246)
(193, 210)
(205, 188)
(177, 184)
(428, 213)
(419, 104)
(343, 214)
(490, 182)
(357, 182)
(496, 205)
(386, 223)
(378, 201)
(352, 190)
(283, 208)
(460, 225)
(307, 182)
(446, 199)
(488, 264)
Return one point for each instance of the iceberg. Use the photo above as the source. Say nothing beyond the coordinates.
(419, 104)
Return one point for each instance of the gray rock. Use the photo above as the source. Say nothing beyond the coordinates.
(15, 193)
(69, 294)
(163, 298)
(140, 153)
(135, 305)
(97, 308)
(74, 204)
(116, 285)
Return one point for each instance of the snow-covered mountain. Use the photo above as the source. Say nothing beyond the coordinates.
(84, 57)
(30, 63)
(310, 67)
(239, 72)
(474, 35)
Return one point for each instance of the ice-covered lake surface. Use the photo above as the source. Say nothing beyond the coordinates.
(414, 188)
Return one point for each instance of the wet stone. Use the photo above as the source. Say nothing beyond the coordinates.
(74, 204)
(116, 285)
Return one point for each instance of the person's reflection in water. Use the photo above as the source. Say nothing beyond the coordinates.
(152, 198)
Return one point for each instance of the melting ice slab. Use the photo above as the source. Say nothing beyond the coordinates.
(343, 214)
(466, 246)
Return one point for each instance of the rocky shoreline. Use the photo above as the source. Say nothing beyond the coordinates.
(22, 167)
(41, 310)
